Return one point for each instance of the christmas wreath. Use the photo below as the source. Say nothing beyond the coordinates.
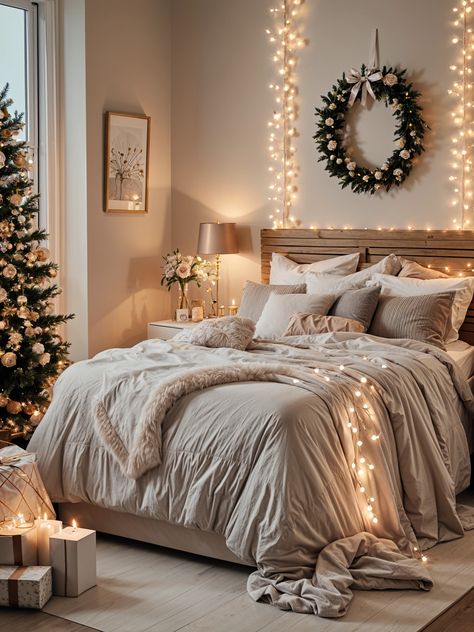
(389, 86)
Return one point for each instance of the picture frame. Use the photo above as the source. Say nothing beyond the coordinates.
(127, 148)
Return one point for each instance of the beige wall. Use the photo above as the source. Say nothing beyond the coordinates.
(220, 105)
(127, 69)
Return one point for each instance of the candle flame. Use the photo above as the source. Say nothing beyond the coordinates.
(45, 516)
(74, 525)
(233, 301)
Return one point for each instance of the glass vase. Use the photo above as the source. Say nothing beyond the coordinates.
(183, 301)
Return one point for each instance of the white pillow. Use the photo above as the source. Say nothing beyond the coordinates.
(284, 271)
(280, 308)
(405, 286)
(330, 284)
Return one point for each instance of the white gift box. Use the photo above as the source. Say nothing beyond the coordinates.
(25, 586)
(73, 558)
(18, 546)
(21, 488)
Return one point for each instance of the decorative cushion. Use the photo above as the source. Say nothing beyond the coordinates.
(359, 305)
(416, 271)
(330, 284)
(280, 308)
(306, 324)
(255, 296)
(464, 288)
(229, 331)
(285, 271)
(424, 318)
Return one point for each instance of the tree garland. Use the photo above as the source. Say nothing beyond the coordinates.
(393, 89)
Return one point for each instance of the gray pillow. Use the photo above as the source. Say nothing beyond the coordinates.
(425, 318)
(256, 295)
(357, 305)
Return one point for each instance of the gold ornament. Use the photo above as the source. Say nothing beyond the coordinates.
(9, 359)
(29, 409)
(13, 407)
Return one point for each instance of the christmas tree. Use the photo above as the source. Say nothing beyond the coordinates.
(32, 351)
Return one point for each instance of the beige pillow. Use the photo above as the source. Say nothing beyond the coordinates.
(331, 284)
(416, 271)
(306, 324)
(255, 296)
(425, 317)
(284, 271)
(280, 308)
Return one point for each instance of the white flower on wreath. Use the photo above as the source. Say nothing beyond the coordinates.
(332, 157)
(332, 106)
(390, 79)
(377, 187)
(332, 145)
(352, 173)
(339, 161)
(384, 167)
(351, 166)
(401, 143)
(329, 121)
(366, 178)
(405, 154)
(378, 175)
(397, 172)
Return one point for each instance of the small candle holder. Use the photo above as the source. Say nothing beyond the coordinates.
(233, 310)
(221, 311)
(73, 558)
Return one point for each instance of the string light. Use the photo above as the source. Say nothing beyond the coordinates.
(462, 117)
(286, 40)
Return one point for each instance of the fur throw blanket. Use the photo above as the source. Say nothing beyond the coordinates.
(229, 331)
(145, 452)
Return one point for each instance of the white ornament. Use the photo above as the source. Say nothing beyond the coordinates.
(332, 145)
(378, 175)
(329, 122)
(405, 154)
(351, 166)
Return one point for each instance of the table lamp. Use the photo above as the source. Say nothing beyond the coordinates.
(217, 239)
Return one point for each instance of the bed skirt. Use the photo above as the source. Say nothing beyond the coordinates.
(148, 530)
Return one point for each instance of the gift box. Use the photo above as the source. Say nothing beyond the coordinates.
(22, 492)
(73, 558)
(25, 586)
(18, 546)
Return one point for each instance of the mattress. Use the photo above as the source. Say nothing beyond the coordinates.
(463, 355)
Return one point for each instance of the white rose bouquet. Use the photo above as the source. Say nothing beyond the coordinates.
(182, 269)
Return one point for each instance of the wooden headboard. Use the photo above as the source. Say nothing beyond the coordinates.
(450, 251)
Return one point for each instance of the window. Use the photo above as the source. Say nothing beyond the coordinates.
(18, 67)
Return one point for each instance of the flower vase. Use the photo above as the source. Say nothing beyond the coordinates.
(183, 302)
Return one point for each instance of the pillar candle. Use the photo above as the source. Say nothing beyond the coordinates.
(73, 558)
(44, 530)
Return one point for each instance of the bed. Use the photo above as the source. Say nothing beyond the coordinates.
(241, 462)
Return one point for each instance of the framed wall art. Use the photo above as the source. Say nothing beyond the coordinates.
(127, 145)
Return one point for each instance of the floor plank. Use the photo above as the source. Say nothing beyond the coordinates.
(33, 620)
(458, 618)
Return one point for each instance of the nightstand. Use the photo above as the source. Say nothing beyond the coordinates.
(166, 329)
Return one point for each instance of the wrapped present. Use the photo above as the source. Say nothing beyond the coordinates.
(73, 558)
(18, 546)
(25, 586)
(23, 496)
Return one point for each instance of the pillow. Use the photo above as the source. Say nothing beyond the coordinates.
(359, 305)
(285, 271)
(464, 288)
(255, 296)
(306, 324)
(229, 331)
(424, 318)
(280, 308)
(330, 284)
(416, 271)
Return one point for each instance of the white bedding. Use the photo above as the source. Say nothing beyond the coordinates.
(463, 355)
(270, 465)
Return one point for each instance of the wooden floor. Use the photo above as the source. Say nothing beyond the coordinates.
(143, 588)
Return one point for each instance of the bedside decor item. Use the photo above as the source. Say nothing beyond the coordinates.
(217, 239)
(183, 270)
(182, 315)
(23, 496)
(197, 310)
(32, 351)
(390, 86)
(127, 148)
(232, 309)
(25, 586)
(73, 558)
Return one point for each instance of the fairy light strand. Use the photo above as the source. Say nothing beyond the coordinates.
(286, 40)
(462, 139)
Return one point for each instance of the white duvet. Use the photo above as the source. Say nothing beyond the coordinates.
(274, 467)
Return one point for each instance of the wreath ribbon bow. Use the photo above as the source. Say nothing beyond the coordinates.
(362, 83)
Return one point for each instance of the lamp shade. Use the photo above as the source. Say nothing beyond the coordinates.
(217, 239)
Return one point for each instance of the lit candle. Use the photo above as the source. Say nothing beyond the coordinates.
(233, 308)
(44, 529)
(73, 558)
(221, 311)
